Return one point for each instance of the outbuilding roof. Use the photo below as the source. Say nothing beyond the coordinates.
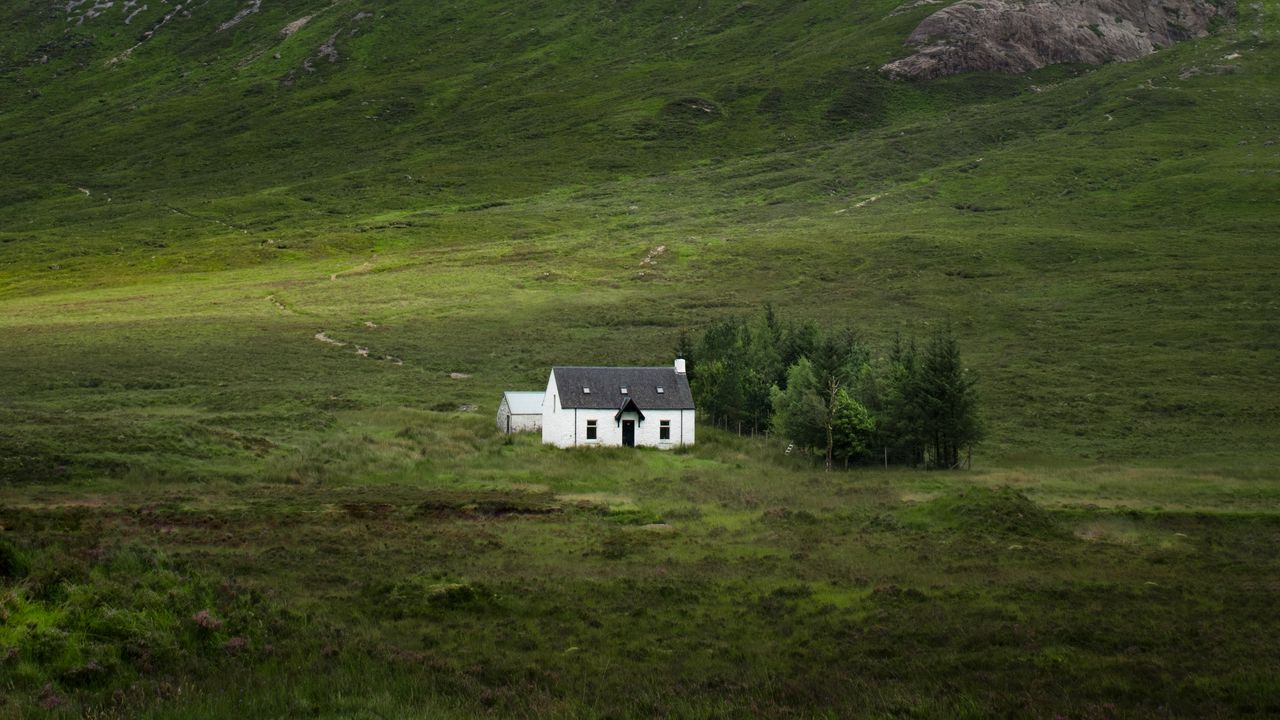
(521, 402)
(601, 388)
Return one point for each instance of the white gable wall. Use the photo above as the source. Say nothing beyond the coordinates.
(557, 425)
(568, 427)
(504, 413)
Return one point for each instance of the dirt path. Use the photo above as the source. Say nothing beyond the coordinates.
(185, 213)
(323, 336)
(359, 351)
(361, 270)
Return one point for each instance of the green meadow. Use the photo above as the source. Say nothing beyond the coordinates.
(255, 321)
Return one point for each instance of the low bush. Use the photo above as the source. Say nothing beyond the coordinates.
(14, 562)
(68, 624)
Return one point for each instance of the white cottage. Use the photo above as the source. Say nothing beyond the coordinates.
(618, 406)
(520, 411)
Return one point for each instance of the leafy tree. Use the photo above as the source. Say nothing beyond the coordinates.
(852, 428)
(837, 362)
(798, 411)
(815, 410)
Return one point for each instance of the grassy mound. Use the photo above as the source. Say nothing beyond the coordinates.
(426, 596)
(1003, 512)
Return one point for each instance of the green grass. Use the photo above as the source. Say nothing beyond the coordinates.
(472, 188)
(522, 580)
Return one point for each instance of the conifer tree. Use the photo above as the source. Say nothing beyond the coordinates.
(948, 399)
(901, 411)
(684, 349)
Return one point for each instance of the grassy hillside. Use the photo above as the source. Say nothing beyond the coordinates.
(1104, 245)
(415, 108)
(485, 189)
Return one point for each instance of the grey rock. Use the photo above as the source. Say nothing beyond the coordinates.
(1010, 36)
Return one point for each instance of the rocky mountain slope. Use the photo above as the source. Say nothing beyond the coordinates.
(1011, 36)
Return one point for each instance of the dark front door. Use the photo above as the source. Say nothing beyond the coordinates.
(628, 433)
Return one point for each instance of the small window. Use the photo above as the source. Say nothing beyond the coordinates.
(664, 430)
(591, 429)
(624, 391)
(586, 391)
(660, 391)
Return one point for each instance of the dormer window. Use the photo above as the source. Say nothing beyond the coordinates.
(624, 391)
(660, 391)
(586, 391)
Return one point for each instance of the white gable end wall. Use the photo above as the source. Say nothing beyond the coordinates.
(504, 413)
(557, 423)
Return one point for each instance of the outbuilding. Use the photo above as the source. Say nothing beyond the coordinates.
(520, 411)
(618, 406)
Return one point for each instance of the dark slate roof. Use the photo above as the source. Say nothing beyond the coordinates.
(606, 385)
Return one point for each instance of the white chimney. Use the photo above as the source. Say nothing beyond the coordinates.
(680, 365)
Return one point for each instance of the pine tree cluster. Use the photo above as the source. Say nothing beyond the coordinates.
(828, 394)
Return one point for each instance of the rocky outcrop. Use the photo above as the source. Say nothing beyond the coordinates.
(1010, 36)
